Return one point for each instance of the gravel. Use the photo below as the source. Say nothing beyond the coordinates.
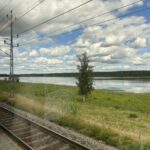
(6, 143)
(87, 141)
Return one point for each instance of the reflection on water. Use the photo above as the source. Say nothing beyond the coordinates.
(136, 86)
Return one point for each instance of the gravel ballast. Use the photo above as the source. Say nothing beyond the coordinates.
(6, 143)
(87, 141)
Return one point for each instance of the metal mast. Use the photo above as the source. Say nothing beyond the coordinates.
(11, 57)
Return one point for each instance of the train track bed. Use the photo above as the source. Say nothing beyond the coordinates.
(35, 133)
(6, 143)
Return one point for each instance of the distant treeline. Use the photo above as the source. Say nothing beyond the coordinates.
(95, 74)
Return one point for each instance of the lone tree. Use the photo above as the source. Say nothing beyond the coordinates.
(85, 79)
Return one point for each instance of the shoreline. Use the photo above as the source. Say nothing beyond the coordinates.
(117, 86)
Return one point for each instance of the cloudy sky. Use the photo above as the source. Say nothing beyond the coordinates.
(118, 40)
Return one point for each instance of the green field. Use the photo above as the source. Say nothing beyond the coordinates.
(119, 119)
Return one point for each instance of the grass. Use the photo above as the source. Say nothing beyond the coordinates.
(119, 119)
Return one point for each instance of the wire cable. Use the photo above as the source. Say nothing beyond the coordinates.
(4, 52)
(99, 23)
(20, 3)
(29, 10)
(16, 6)
(78, 23)
(27, 30)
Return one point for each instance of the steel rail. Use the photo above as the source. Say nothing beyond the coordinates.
(45, 129)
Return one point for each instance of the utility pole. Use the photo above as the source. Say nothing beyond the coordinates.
(11, 75)
(11, 57)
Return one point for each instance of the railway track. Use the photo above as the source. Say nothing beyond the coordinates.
(33, 136)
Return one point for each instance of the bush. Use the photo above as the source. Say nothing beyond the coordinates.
(85, 79)
(133, 115)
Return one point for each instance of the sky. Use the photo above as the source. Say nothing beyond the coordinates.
(114, 40)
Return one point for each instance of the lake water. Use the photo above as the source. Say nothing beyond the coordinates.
(136, 86)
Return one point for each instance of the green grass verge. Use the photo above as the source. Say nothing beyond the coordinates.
(119, 119)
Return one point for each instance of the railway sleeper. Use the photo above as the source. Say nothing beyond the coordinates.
(38, 143)
(15, 125)
(18, 130)
(53, 145)
(33, 136)
(6, 119)
(27, 133)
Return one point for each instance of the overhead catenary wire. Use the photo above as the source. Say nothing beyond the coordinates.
(1, 10)
(94, 17)
(24, 10)
(7, 24)
(5, 52)
(99, 23)
(19, 18)
(61, 14)
(119, 17)
(7, 56)
(88, 20)
(8, 2)
(20, 3)
(16, 6)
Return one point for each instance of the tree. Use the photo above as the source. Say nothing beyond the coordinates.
(85, 79)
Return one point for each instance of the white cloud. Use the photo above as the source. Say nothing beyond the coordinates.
(49, 9)
(117, 43)
(146, 55)
(54, 51)
(140, 42)
(137, 61)
(54, 61)
(47, 61)
(44, 51)
(41, 60)
(113, 45)
(33, 53)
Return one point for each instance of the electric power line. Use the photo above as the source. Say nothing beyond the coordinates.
(134, 12)
(3, 9)
(61, 14)
(20, 3)
(116, 9)
(4, 52)
(12, 9)
(99, 23)
(29, 10)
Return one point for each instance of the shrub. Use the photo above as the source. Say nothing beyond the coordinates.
(133, 115)
(85, 79)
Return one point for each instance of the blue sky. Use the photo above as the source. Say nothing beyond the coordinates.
(120, 44)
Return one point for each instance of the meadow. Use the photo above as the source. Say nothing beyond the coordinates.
(117, 118)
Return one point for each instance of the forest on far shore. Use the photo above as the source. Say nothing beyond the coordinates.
(95, 74)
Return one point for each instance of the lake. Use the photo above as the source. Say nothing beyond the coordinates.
(136, 86)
